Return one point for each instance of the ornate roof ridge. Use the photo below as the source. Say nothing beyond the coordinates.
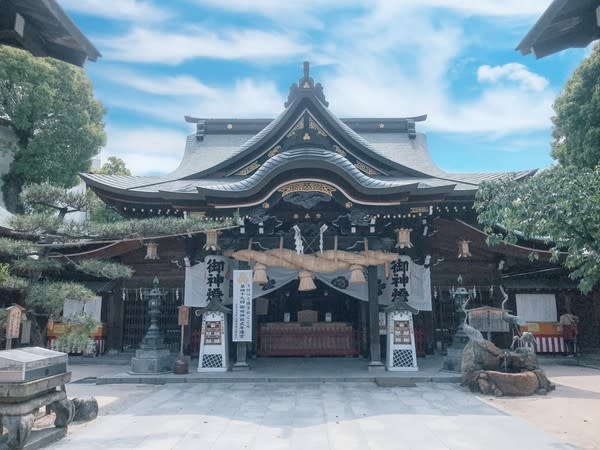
(306, 85)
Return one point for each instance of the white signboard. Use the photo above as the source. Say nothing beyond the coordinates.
(73, 308)
(242, 306)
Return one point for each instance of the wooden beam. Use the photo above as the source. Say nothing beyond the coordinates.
(375, 348)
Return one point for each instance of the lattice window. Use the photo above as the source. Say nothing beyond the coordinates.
(403, 358)
(212, 361)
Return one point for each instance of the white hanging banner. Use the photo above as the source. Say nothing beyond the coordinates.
(205, 279)
(242, 306)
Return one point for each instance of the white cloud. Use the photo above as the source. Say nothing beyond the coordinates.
(245, 98)
(405, 71)
(302, 9)
(143, 45)
(489, 8)
(127, 10)
(145, 150)
(176, 85)
(158, 150)
(513, 72)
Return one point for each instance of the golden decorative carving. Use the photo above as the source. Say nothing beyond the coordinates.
(419, 209)
(266, 205)
(348, 205)
(297, 127)
(339, 151)
(274, 151)
(307, 186)
(365, 169)
(248, 169)
(314, 126)
(306, 137)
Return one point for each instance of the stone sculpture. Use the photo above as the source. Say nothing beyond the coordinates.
(490, 370)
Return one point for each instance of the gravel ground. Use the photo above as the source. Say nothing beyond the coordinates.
(571, 412)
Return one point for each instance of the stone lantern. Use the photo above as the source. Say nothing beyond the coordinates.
(153, 356)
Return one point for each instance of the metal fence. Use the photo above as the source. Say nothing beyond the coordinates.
(136, 320)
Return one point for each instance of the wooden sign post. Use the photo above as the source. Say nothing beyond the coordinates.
(183, 319)
(13, 324)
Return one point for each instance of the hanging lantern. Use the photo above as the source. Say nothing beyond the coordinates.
(306, 281)
(463, 249)
(357, 275)
(151, 251)
(211, 241)
(260, 274)
(404, 238)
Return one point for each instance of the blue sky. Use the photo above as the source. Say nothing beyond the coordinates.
(488, 106)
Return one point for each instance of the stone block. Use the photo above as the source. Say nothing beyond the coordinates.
(86, 409)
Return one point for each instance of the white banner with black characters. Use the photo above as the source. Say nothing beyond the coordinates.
(242, 306)
(418, 282)
(211, 277)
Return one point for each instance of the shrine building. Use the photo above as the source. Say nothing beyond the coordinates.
(343, 222)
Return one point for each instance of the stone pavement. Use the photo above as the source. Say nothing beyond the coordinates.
(306, 416)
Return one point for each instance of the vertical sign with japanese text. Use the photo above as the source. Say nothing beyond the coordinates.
(399, 278)
(215, 277)
(242, 306)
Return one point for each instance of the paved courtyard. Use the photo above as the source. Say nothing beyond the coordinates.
(265, 416)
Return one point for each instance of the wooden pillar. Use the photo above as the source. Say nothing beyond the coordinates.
(373, 290)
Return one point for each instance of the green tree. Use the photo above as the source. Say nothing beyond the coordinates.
(45, 281)
(114, 166)
(45, 196)
(98, 210)
(577, 121)
(561, 204)
(50, 107)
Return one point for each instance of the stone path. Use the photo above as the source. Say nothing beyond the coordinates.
(306, 416)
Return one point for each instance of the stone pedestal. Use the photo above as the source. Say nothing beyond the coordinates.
(453, 359)
(241, 362)
(213, 342)
(401, 350)
(19, 403)
(152, 361)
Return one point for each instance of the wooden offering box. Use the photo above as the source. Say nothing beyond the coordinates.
(307, 339)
